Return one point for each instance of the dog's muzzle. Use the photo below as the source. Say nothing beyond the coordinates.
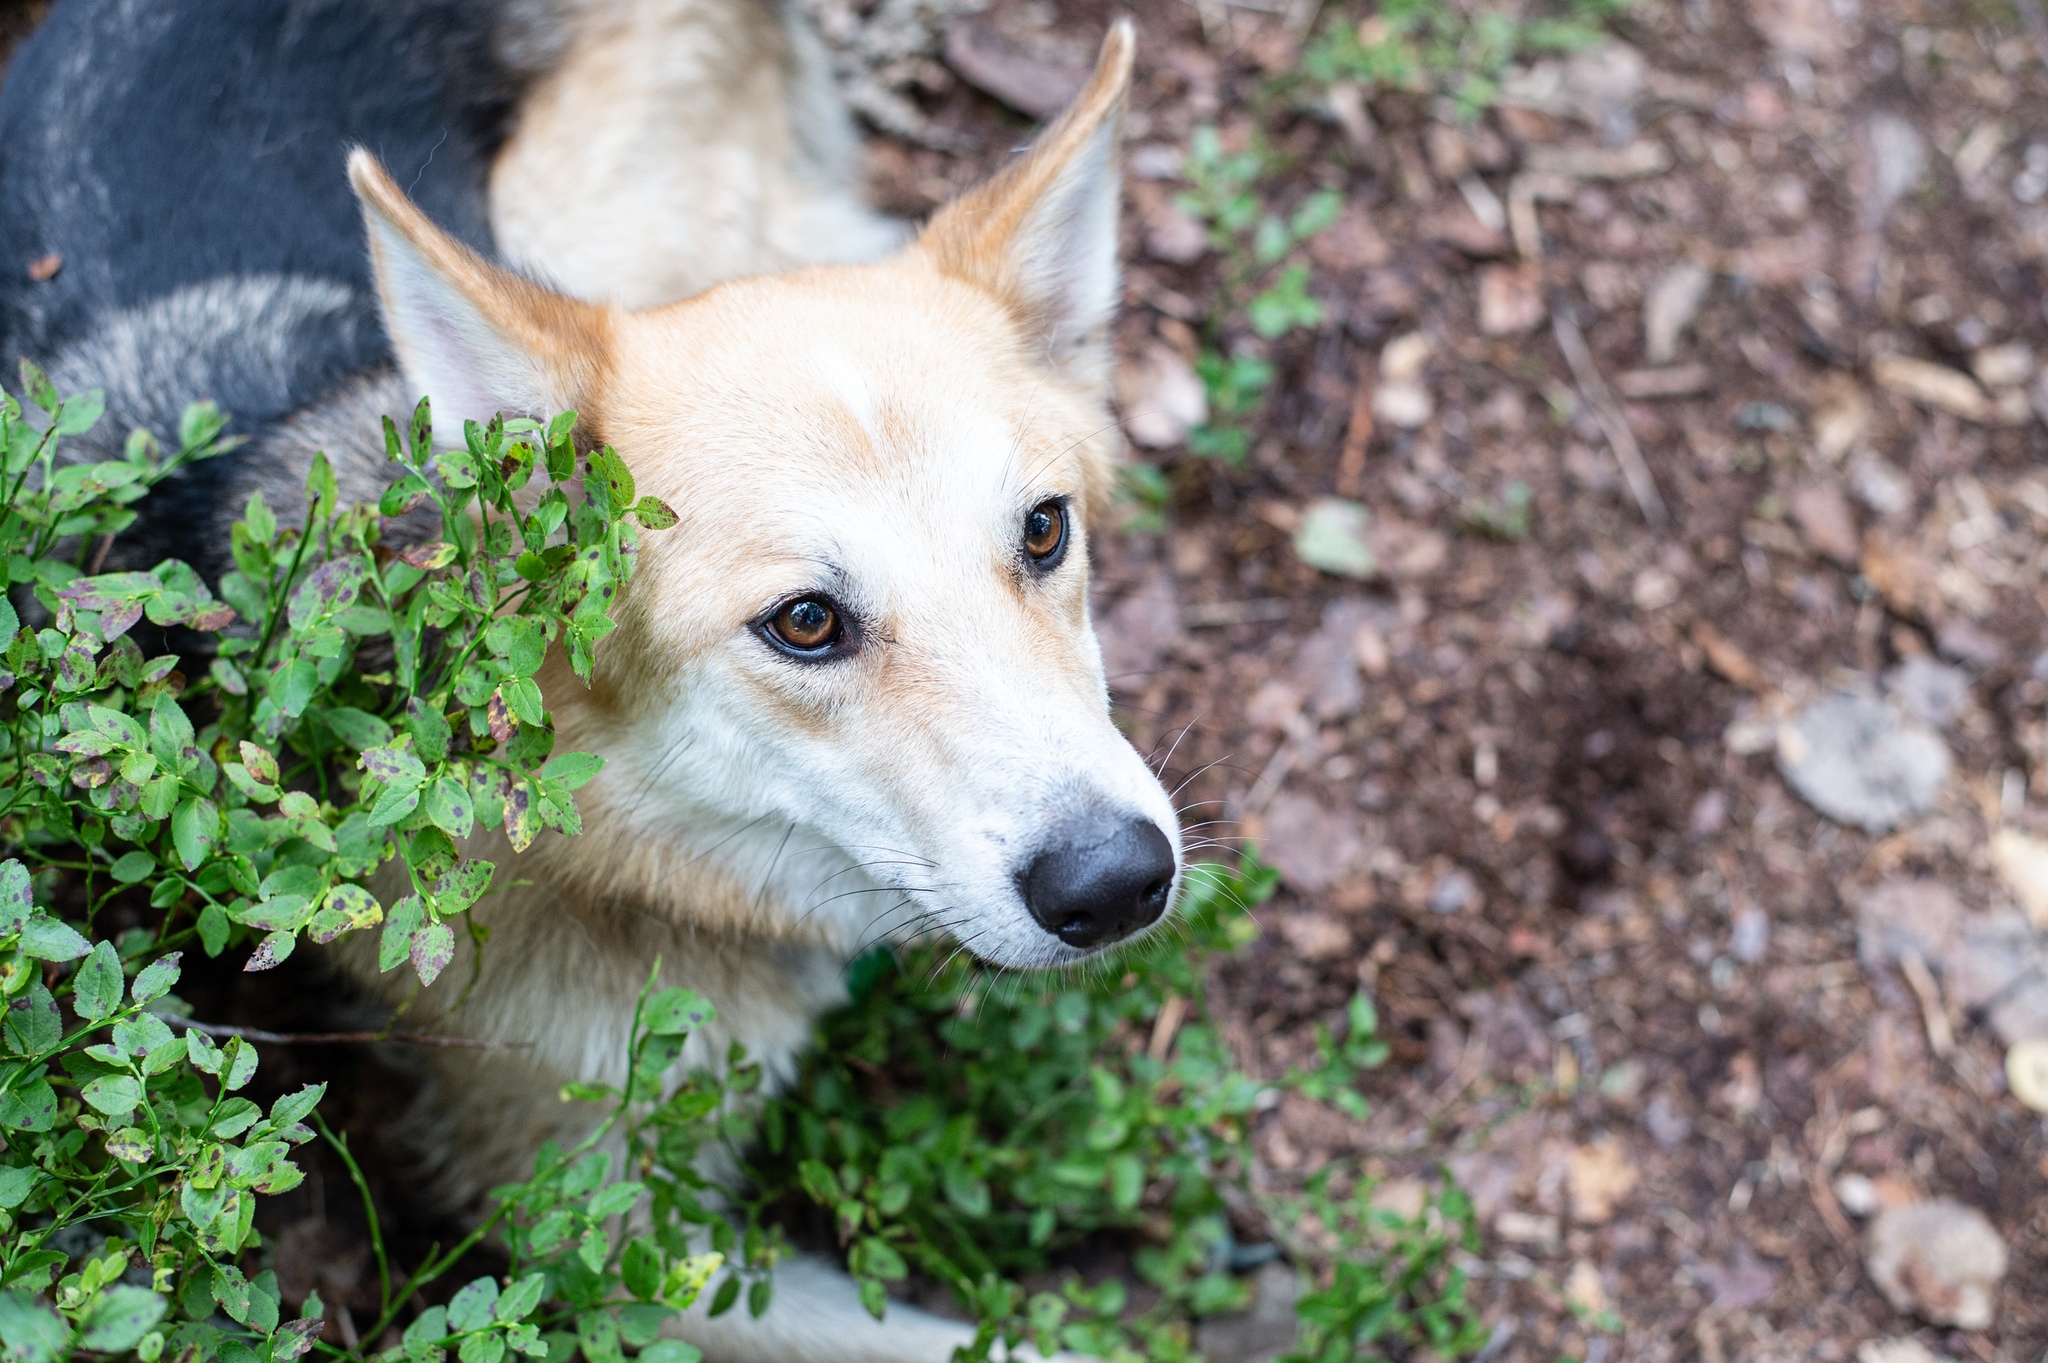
(1108, 879)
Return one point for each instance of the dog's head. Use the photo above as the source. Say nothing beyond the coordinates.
(856, 690)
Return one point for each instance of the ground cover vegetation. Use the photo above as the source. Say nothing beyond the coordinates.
(354, 703)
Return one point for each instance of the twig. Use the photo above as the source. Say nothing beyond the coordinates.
(1633, 470)
(1941, 1039)
(346, 1038)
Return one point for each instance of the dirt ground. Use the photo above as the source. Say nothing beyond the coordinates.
(1647, 1002)
(1680, 1034)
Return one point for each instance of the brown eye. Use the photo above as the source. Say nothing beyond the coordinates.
(1045, 533)
(806, 625)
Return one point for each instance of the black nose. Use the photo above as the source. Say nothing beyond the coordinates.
(1101, 885)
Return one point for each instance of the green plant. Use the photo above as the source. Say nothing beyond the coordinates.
(968, 1128)
(1458, 48)
(1381, 1278)
(150, 814)
(1506, 517)
(1225, 193)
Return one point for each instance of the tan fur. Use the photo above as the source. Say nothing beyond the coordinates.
(877, 430)
(675, 144)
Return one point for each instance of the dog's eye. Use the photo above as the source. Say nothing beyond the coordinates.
(1045, 533)
(809, 624)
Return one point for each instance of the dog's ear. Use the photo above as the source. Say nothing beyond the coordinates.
(470, 336)
(1042, 235)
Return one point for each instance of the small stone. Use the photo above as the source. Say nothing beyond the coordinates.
(1857, 1194)
(1929, 690)
(1897, 916)
(1750, 935)
(1897, 1349)
(1935, 385)
(1262, 1333)
(1173, 236)
(2026, 1072)
(1405, 406)
(1898, 158)
(1599, 1176)
(1528, 1229)
(1160, 397)
(1673, 302)
(1939, 1259)
(1404, 357)
(2022, 863)
(1314, 847)
(1859, 762)
(1584, 1290)
(2003, 366)
(1454, 891)
(1822, 514)
(1510, 300)
(1313, 935)
(1879, 486)
(1841, 414)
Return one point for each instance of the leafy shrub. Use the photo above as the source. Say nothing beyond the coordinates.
(1450, 47)
(368, 702)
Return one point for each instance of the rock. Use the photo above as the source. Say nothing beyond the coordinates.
(1315, 936)
(1859, 762)
(1740, 1285)
(1935, 385)
(1898, 158)
(1598, 1177)
(1352, 242)
(2026, 1072)
(1510, 300)
(1939, 1259)
(1333, 537)
(1896, 1349)
(1998, 964)
(1401, 399)
(1313, 845)
(1160, 397)
(1749, 934)
(1584, 1290)
(2003, 366)
(1674, 300)
(1823, 516)
(1967, 642)
(1929, 690)
(1174, 236)
(1879, 486)
(1328, 662)
(990, 61)
(1808, 28)
(1857, 1194)
(1897, 916)
(2022, 863)
(1263, 1333)
(1454, 891)
(1527, 1229)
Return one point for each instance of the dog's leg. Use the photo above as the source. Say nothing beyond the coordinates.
(816, 1317)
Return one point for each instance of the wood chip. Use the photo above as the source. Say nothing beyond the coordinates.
(1679, 381)
(1633, 162)
(1936, 385)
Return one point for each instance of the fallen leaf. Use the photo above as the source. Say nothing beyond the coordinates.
(1160, 397)
(1935, 385)
(1599, 1177)
(1822, 513)
(1510, 300)
(1332, 537)
(2022, 862)
(986, 58)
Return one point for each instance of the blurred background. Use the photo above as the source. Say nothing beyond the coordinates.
(1586, 527)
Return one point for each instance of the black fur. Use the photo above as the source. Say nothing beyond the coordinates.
(184, 159)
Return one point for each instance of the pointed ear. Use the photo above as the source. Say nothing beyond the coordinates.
(470, 336)
(1042, 235)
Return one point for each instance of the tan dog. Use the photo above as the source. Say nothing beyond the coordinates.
(854, 694)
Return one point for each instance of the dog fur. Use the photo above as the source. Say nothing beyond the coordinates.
(876, 431)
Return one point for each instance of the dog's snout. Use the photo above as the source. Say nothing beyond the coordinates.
(1102, 885)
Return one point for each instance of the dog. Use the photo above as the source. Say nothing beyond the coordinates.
(855, 693)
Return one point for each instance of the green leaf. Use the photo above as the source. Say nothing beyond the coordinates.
(357, 728)
(472, 1308)
(33, 1333)
(80, 413)
(16, 898)
(965, 1190)
(47, 939)
(132, 867)
(397, 768)
(17, 1181)
(195, 828)
(874, 1297)
(572, 770)
(448, 804)
(522, 698)
(96, 988)
(156, 978)
(671, 1351)
(115, 1095)
(120, 1316)
(30, 1105)
(654, 513)
(518, 1300)
(673, 1012)
(432, 948)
